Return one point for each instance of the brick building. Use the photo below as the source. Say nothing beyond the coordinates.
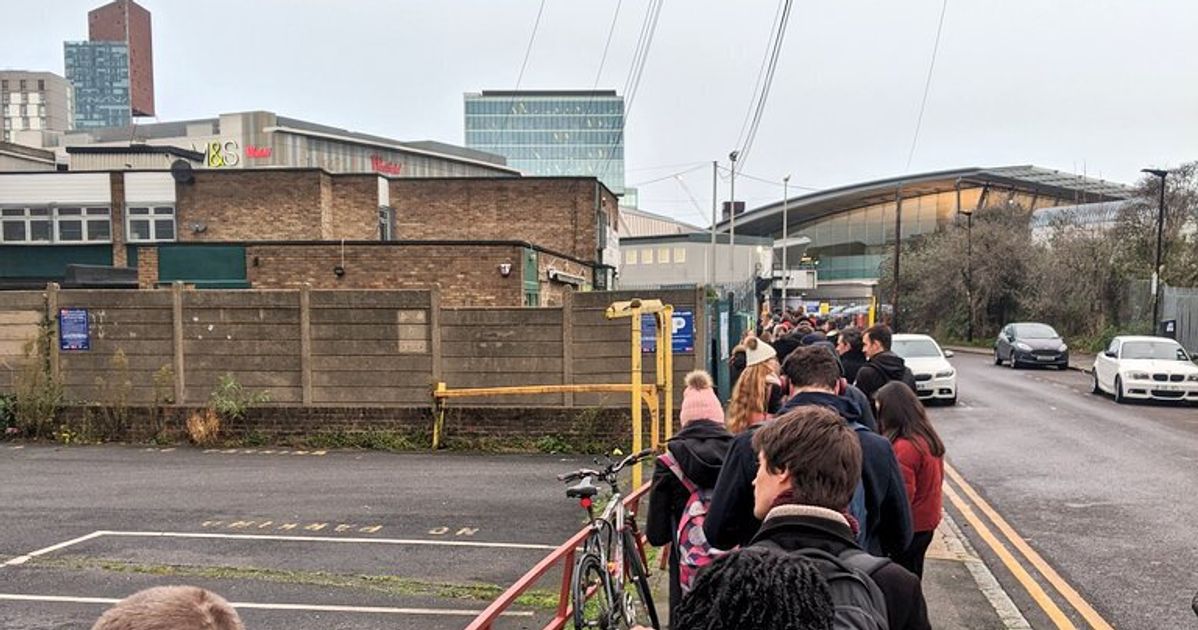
(481, 241)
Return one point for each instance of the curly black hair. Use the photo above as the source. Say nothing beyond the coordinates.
(758, 588)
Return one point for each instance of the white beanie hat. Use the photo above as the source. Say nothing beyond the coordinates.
(758, 351)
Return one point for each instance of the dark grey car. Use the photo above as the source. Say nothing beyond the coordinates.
(1030, 343)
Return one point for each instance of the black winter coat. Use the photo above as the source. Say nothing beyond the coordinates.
(881, 369)
(730, 521)
(905, 605)
(852, 361)
(699, 448)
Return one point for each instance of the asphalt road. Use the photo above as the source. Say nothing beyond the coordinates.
(351, 529)
(1104, 492)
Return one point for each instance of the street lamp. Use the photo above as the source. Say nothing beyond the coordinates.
(968, 261)
(785, 234)
(732, 216)
(1160, 231)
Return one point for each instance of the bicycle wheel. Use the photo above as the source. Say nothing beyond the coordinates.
(595, 612)
(638, 603)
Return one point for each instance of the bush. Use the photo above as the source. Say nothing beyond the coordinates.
(38, 392)
(203, 427)
(231, 401)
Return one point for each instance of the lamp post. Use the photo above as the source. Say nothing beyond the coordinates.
(1160, 232)
(785, 235)
(732, 216)
(968, 262)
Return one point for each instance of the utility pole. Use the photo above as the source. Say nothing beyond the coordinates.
(785, 235)
(968, 262)
(715, 202)
(1157, 271)
(898, 250)
(732, 217)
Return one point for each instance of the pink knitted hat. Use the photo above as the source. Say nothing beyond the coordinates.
(699, 401)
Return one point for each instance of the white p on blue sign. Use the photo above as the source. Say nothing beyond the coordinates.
(682, 332)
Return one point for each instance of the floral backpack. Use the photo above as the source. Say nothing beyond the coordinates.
(694, 552)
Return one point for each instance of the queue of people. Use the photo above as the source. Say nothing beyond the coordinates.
(813, 506)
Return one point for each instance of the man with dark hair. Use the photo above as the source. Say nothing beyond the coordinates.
(882, 365)
(808, 467)
(852, 356)
(881, 505)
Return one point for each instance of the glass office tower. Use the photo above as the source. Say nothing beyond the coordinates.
(99, 72)
(551, 132)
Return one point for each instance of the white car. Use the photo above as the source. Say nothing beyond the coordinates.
(935, 377)
(1146, 368)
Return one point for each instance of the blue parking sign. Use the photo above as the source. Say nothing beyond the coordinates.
(683, 332)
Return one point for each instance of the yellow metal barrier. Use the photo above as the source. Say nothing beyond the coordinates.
(651, 395)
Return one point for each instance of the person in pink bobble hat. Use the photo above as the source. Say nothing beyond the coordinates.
(683, 478)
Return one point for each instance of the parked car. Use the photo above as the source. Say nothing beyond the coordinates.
(1030, 343)
(935, 377)
(1156, 368)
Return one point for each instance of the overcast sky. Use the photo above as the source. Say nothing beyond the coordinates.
(1107, 86)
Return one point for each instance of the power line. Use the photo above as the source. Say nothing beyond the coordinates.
(659, 167)
(694, 202)
(760, 73)
(635, 72)
(671, 175)
(772, 182)
(774, 54)
(926, 86)
(610, 31)
(532, 37)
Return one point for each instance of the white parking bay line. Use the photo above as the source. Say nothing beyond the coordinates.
(387, 610)
(375, 541)
(62, 545)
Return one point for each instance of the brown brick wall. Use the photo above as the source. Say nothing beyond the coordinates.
(354, 208)
(116, 182)
(555, 214)
(147, 267)
(251, 205)
(468, 275)
(553, 291)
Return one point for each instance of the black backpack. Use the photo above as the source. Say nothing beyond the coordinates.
(857, 599)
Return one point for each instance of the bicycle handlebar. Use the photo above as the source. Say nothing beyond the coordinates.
(606, 472)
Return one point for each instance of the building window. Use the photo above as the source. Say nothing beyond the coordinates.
(41, 85)
(663, 255)
(148, 224)
(59, 225)
(679, 255)
(23, 85)
(647, 256)
(630, 257)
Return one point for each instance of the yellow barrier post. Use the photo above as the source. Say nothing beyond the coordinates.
(636, 388)
(439, 416)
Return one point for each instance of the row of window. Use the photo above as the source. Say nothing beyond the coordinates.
(515, 105)
(645, 256)
(84, 225)
(24, 123)
(23, 85)
(25, 110)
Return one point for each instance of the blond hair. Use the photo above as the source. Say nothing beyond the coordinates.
(749, 396)
(171, 608)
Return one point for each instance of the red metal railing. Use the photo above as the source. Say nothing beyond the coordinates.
(563, 554)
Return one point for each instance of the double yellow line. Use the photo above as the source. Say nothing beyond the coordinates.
(1013, 564)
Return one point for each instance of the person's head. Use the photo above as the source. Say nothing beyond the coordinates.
(829, 325)
(876, 340)
(901, 415)
(699, 401)
(757, 351)
(812, 368)
(759, 588)
(171, 608)
(849, 340)
(810, 455)
(767, 336)
(803, 328)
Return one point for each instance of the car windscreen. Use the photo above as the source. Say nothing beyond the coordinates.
(915, 348)
(1159, 350)
(1035, 331)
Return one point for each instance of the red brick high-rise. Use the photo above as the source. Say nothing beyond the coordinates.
(126, 21)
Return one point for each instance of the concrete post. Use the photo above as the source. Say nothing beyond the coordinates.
(52, 317)
(568, 345)
(305, 306)
(434, 332)
(177, 338)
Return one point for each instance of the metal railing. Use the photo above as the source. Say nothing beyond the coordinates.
(563, 554)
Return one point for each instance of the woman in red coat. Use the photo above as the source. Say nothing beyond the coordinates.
(920, 452)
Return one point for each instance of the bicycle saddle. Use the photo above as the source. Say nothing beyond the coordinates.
(584, 489)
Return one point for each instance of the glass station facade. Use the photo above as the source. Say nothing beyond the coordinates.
(551, 132)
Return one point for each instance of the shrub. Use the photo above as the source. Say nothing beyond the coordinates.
(203, 427)
(231, 401)
(38, 392)
(114, 391)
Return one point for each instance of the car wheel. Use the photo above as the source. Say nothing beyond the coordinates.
(1014, 363)
(1119, 391)
(1096, 389)
(997, 357)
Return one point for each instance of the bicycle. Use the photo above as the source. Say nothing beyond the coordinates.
(611, 556)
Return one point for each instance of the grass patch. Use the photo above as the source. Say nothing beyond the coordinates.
(386, 584)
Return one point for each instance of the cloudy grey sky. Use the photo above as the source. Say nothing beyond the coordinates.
(1108, 86)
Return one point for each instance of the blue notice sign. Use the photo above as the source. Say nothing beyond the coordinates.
(73, 333)
(683, 332)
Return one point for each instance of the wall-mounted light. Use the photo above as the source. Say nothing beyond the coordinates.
(199, 227)
(339, 271)
(505, 269)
